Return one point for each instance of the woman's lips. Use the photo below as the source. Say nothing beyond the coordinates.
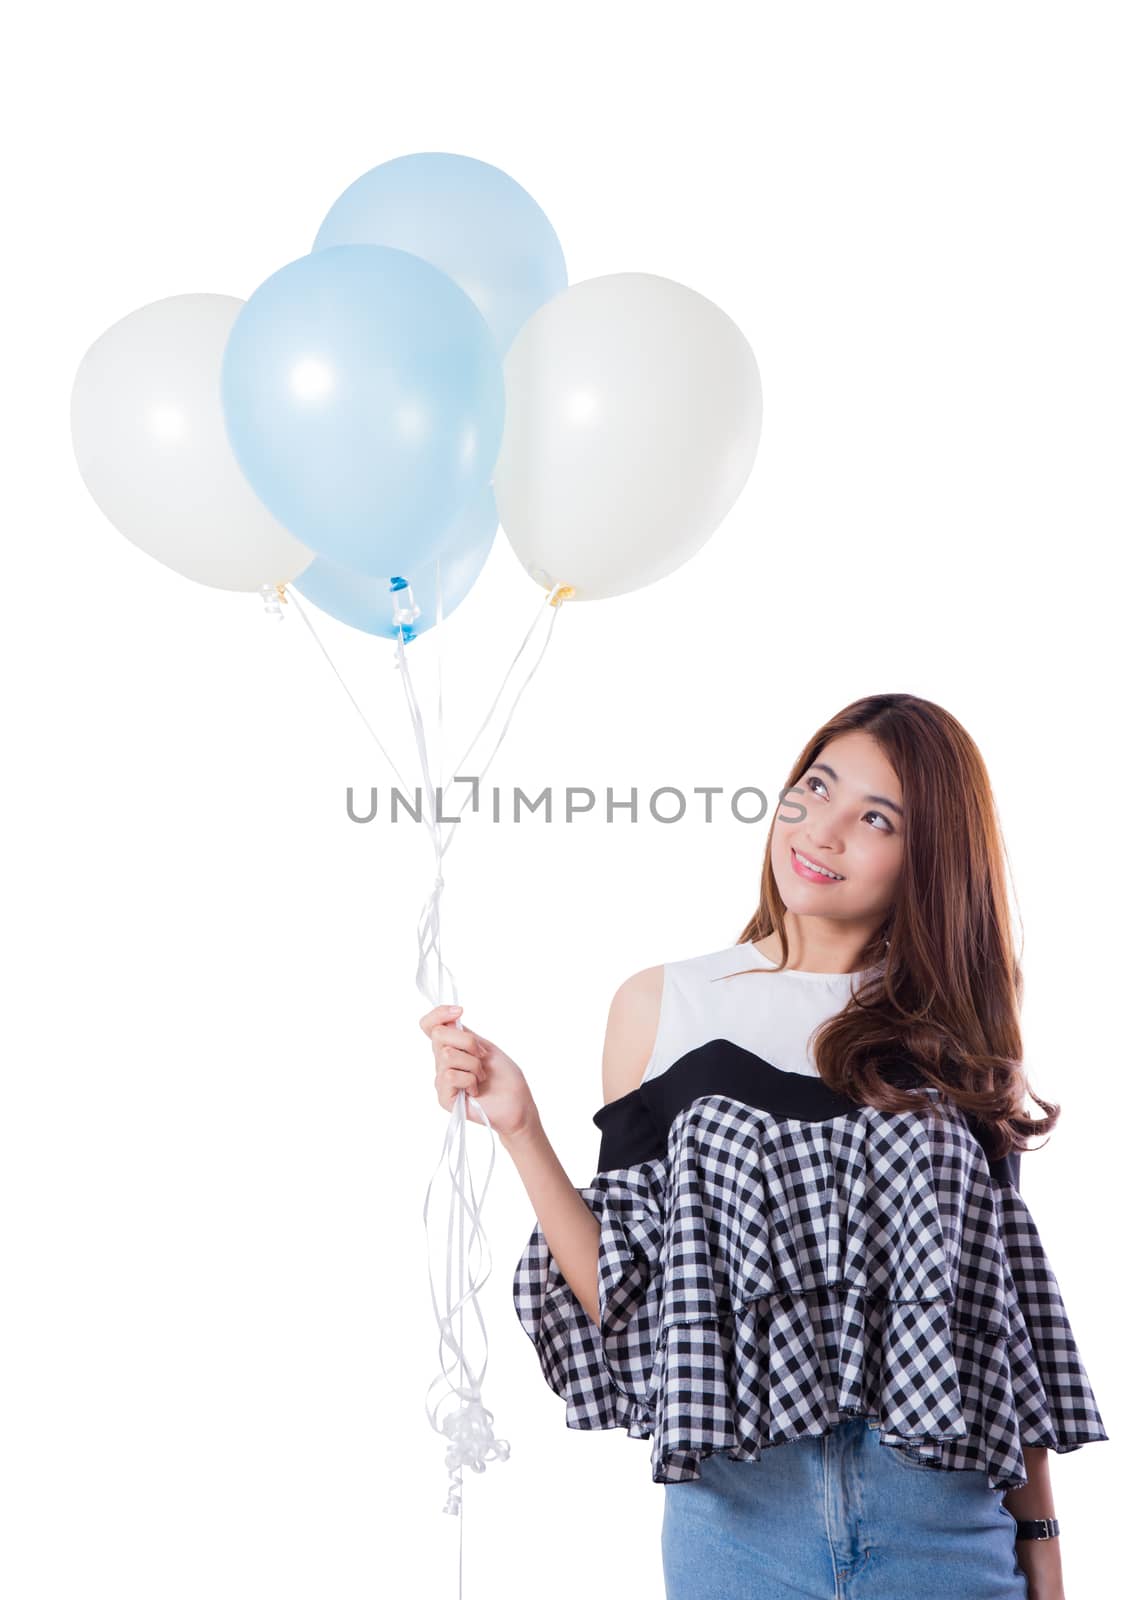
(807, 873)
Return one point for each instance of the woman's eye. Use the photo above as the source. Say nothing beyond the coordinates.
(888, 826)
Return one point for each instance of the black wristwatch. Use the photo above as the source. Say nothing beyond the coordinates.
(1039, 1528)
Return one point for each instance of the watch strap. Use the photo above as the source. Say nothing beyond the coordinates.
(1038, 1528)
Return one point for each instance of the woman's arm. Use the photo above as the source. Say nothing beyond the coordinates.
(571, 1231)
(1039, 1559)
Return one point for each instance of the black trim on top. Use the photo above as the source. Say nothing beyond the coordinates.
(635, 1127)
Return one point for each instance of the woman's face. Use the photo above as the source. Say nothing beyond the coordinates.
(852, 825)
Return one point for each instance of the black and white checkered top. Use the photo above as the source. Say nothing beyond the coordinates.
(774, 1258)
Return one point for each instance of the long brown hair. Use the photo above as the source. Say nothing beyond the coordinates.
(946, 985)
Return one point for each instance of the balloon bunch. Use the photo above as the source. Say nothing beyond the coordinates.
(424, 373)
(360, 426)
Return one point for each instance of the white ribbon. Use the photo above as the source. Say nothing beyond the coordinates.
(469, 1427)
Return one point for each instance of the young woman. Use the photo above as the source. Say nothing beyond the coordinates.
(804, 1267)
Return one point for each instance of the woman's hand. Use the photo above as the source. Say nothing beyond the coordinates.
(467, 1061)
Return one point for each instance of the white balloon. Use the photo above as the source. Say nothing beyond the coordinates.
(148, 435)
(633, 417)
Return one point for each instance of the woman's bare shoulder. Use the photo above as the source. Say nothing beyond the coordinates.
(633, 1019)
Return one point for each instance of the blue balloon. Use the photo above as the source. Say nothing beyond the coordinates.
(368, 603)
(364, 403)
(468, 218)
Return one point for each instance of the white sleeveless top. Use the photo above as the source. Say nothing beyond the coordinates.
(772, 1017)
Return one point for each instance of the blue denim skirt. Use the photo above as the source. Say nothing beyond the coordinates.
(838, 1517)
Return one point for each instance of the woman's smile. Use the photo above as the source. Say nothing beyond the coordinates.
(813, 871)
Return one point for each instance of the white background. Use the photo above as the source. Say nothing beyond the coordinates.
(218, 1115)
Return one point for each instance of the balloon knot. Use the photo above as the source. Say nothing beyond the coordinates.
(471, 1434)
(273, 598)
(563, 591)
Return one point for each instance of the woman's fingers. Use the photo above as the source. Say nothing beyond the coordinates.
(450, 1083)
(438, 1015)
(456, 1058)
(444, 1030)
(459, 1055)
(450, 1038)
